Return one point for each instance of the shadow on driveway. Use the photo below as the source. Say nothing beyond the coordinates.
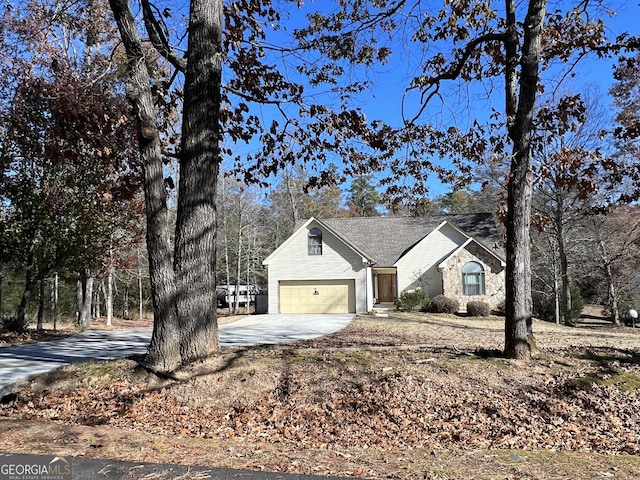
(21, 362)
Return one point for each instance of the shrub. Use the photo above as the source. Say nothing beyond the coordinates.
(10, 323)
(627, 301)
(478, 309)
(544, 306)
(442, 304)
(500, 308)
(577, 303)
(413, 300)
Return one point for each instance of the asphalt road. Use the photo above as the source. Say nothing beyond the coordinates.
(21, 362)
(84, 468)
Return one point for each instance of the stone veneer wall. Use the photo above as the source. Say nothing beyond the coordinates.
(494, 275)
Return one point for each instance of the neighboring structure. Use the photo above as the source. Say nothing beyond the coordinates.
(351, 264)
(227, 294)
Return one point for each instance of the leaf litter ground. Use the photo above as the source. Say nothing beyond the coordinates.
(408, 396)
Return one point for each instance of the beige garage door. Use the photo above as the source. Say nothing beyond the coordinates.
(320, 296)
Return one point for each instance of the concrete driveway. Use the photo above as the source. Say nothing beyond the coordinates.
(23, 361)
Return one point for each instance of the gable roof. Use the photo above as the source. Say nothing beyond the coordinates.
(463, 246)
(386, 239)
(327, 227)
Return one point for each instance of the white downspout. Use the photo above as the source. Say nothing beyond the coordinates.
(370, 289)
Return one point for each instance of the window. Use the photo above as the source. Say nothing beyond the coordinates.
(315, 242)
(472, 279)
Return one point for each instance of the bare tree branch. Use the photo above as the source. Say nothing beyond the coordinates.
(159, 38)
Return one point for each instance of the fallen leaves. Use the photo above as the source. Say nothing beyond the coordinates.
(335, 394)
(367, 406)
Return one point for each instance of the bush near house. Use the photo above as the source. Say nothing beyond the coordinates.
(478, 309)
(410, 301)
(442, 304)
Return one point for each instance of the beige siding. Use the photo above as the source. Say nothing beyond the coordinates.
(337, 262)
(419, 267)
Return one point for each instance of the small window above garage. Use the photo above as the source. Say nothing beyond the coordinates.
(315, 241)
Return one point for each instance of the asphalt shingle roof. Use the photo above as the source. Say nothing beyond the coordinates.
(386, 239)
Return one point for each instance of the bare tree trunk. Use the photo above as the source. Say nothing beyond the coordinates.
(53, 300)
(109, 297)
(26, 296)
(518, 319)
(125, 300)
(140, 295)
(236, 300)
(85, 297)
(613, 298)
(565, 296)
(195, 250)
(556, 296)
(248, 304)
(292, 200)
(226, 246)
(96, 300)
(39, 324)
(164, 349)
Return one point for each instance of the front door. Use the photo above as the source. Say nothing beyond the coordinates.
(385, 288)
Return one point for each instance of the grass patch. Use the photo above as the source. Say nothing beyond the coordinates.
(625, 382)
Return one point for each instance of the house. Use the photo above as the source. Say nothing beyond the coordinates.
(349, 265)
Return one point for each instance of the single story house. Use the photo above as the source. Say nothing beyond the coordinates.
(349, 265)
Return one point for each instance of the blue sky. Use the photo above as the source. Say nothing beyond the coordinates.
(384, 101)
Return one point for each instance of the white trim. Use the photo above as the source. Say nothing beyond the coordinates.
(265, 262)
(463, 246)
(432, 232)
(320, 223)
(370, 289)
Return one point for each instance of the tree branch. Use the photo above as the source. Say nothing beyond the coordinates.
(431, 85)
(454, 71)
(159, 38)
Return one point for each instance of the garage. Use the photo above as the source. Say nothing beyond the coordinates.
(317, 296)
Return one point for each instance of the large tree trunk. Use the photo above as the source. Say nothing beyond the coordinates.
(195, 249)
(164, 349)
(518, 321)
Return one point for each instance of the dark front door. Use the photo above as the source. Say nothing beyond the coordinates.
(385, 288)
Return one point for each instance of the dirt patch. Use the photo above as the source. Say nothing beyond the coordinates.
(408, 396)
